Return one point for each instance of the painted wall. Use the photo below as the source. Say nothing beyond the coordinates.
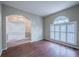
(0, 30)
(72, 13)
(37, 25)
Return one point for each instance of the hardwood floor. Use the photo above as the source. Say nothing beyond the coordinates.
(40, 49)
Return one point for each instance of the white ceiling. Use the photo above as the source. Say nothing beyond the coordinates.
(41, 8)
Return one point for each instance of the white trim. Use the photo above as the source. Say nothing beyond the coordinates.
(0, 52)
(76, 33)
(59, 42)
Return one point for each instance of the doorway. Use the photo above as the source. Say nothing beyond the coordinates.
(18, 30)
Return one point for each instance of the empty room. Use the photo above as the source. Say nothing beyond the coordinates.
(39, 28)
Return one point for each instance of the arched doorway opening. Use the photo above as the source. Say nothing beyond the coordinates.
(18, 30)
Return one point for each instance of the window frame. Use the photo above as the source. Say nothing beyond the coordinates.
(75, 32)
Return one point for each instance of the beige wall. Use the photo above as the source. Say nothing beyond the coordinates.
(71, 13)
(37, 25)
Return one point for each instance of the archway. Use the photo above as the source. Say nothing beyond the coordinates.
(18, 30)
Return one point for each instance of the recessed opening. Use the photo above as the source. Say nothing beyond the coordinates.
(18, 30)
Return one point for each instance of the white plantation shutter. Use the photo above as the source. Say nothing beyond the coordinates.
(63, 30)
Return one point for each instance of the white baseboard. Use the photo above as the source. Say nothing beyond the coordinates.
(0, 52)
(36, 40)
(73, 46)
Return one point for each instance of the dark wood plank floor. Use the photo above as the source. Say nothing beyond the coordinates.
(40, 49)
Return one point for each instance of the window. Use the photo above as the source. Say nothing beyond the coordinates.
(61, 19)
(63, 30)
(71, 33)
